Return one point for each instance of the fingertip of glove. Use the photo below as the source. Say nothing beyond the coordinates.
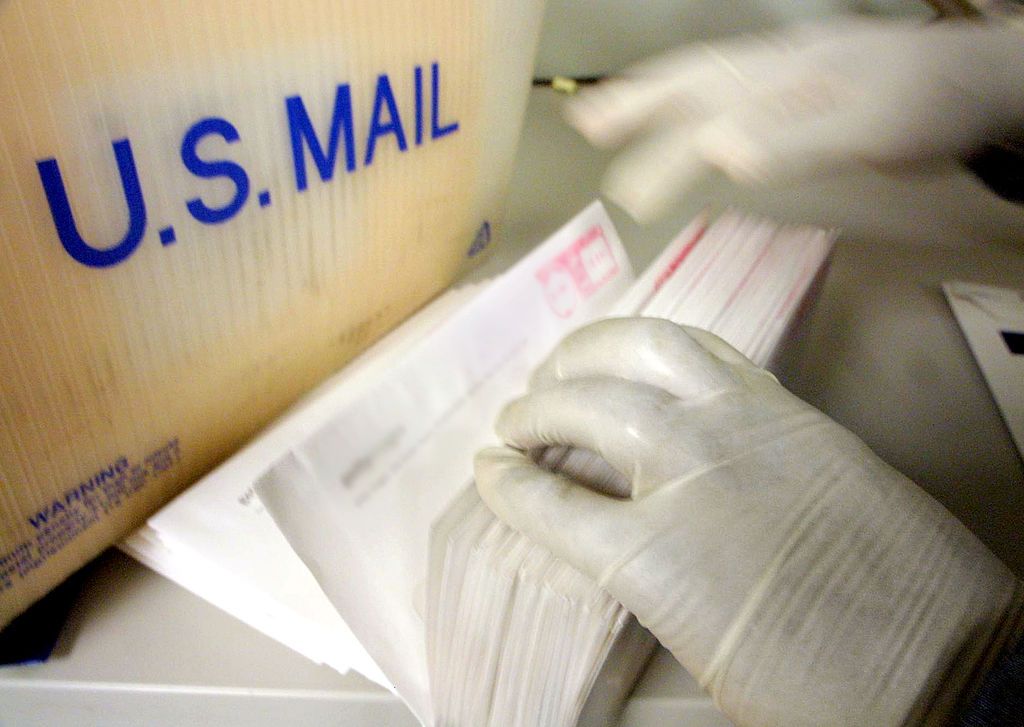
(507, 422)
(646, 179)
(635, 194)
(489, 466)
(730, 149)
(586, 114)
(490, 462)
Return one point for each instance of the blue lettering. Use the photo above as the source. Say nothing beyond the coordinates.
(417, 76)
(384, 97)
(436, 130)
(39, 520)
(209, 170)
(64, 219)
(303, 134)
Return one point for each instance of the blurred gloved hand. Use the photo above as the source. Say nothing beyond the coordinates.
(815, 98)
(797, 576)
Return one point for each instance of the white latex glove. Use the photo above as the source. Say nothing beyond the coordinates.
(797, 576)
(815, 98)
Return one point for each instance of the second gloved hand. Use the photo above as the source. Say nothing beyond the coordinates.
(798, 577)
(814, 98)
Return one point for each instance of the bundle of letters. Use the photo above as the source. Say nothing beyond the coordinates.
(369, 481)
(518, 637)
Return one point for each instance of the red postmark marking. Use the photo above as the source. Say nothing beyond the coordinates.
(578, 271)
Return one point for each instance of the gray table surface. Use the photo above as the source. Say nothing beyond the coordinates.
(880, 353)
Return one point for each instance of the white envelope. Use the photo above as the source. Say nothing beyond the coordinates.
(393, 459)
(216, 539)
(992, 320)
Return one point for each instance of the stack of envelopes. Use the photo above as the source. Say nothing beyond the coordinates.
(519, 637)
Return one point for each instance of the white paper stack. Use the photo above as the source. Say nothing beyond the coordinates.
(383, 559)
(518, 637)
(217, 540)
(400, 427)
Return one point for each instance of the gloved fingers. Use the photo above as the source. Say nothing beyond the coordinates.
(624, 422)
(649, 176)
(583, 527)
(743, 368)
(804, 132)
(683, 86)
(689, 109)
(684, 362)
(720, 348)
(615, 109)
(791, 129)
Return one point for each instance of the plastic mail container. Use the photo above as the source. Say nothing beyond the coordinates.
(206, 206)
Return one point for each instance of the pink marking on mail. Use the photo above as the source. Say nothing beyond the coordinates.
(674, 264)
(578, 271)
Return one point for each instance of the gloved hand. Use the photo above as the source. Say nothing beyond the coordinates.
(814, 98)
(797, 576)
